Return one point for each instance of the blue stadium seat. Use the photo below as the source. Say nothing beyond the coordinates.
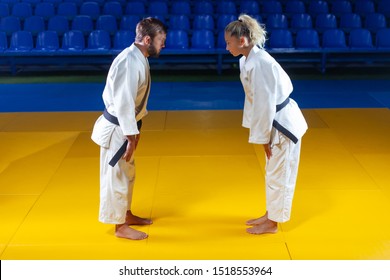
(203, 7)
(59, 24)
(45, 10)
(179, 22)
(47, 41)
(224, 20)
(203, 22)
(177, 40)
(360, 39)
(203, 40)
(135, 8)
(98, 40)
(281, 38)
(294, 7)
(382, 39)
(33, 3)
(350, 21)
(341, 7)
(55, 2)
(91, 9)
(122, 2)
(334, 39)
(107, 23)
(384, 8)
(158, 8)
(99, 2)
(221, 43)
(129, 22)
(276, 21)
(10, 24)
(22, 10)
(10, 2)
(67, 9)
(73, 41)
(83, 23)
(113, 8)
(3, 41)
(301, 21)
(123, 39)
(272, 7)
(34, 24)
(317, 7)
(77, 2)
(226, 7)
(364, 7)
(307, 39)
(181, 8)
(325, 22)
(250, 7)
(21, 41)
(374, 22)
(4, 9)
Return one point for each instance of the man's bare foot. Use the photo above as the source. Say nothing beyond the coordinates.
(123, 231)
(257, 221)
(135, 220)
(267, 226)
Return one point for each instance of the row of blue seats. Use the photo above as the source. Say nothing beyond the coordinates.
(61, 24)
(94, 9)
(178, 41)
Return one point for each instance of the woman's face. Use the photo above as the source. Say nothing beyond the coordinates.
(233, 44)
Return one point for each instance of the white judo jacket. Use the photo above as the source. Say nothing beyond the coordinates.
(125, 95)
(267, 85)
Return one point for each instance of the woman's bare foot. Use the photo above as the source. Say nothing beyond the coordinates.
(257, 221)
(135, 220)
(123, 231)
(267, 226)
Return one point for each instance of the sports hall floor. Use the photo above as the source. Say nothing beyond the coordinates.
(197, 176)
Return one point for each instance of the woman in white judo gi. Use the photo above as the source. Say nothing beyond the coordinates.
(117, 131)
(274, 120)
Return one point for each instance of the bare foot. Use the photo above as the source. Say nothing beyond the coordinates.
(135, 220)
(267, 226)
(257, 221)
(123, 231)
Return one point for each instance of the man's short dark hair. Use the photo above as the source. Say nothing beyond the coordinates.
(149, 27)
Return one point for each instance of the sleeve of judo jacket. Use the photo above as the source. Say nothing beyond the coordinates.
(125, 87)
(264, 84)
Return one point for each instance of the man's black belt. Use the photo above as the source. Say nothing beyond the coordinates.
(122, 149)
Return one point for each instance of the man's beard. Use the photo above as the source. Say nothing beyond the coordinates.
(152, 51)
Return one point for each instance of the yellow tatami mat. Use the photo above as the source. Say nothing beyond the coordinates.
(199, 179)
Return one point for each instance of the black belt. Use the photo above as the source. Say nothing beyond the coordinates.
(122, 149)
(281, 128)
(282, 105)
(114, 120)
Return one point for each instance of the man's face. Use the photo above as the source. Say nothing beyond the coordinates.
(157, 44)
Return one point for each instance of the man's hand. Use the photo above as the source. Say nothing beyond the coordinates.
(131, 144)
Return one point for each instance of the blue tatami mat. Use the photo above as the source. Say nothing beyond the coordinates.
(310, 94)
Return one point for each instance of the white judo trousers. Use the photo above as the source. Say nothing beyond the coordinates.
(116, 183)
(125, 97)
(273, 118)
(280, 178)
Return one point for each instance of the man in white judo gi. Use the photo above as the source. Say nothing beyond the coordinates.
(273, 118)
(117, 131)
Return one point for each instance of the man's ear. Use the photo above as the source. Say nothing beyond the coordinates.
(147, 40)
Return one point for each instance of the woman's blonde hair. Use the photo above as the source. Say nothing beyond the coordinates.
(248, 27)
